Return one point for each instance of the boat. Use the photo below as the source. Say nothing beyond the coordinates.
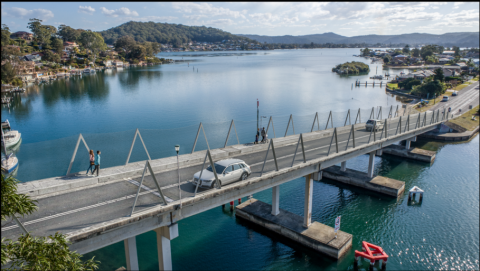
(11, 137)
(87, 70)
(377, 77)
(9, 164)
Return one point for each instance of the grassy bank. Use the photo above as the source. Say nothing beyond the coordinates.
(392, 86)
(433, 102)
(465, 120)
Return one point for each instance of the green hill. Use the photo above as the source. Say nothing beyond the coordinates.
(167, 33)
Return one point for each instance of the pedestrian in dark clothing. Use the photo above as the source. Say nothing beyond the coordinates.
(97, 163)
(256, 139)
(92, 163)
(263, 134)
(258, 132)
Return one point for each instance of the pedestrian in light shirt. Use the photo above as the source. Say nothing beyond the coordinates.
(97, 163)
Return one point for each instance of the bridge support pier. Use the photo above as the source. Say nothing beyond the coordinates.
(371, 164)
(344, 166)
(317, 176)
(131, 253)
(379, 152)
(408, 141)
(164, 235)
(276, 200)
(307, 213)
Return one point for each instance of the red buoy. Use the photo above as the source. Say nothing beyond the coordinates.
(372, 252)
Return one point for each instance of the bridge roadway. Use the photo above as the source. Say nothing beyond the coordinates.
(97, 215)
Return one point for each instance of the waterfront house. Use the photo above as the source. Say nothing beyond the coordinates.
(107, 63)
(443, 60)
(399, 58)
(448, 52)
(23, 35)
(449, 72)
(33, 58)
(420, 75)
(404, 77)
(117, 63)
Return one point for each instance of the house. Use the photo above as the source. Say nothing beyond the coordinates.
(117, 63)
(107, 62)
(23, 35)
(399, 58)
(33, 58)
(448, 52)
(404, 77)
(449, 72)
(443, 60)
(420, 75)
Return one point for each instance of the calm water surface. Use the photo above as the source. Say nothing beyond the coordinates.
(167, 103)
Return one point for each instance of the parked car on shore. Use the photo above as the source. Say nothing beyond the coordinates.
(378, 124)
(228, 171)
(455, 93)
(445, 99)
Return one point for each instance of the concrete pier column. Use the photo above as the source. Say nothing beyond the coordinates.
(276, 200)
(131, 253)
(407, 144)
(371, 164)
(379, 152)
(307, 213)
(344, 166)
(317, 176)
(164, 235)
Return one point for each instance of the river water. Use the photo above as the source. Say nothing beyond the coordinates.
(168, 102)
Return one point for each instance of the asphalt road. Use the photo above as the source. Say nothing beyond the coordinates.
(83, 207)
(467, 96)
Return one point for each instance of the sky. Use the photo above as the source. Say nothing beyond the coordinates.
(269, 18)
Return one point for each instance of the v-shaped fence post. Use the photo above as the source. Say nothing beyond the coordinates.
(417, 123)
(384, 130)
(300, 141)
(149, 167)
(352, 132)
(266, 156)
(424, 122)
(313, 124)
(359, 117)
(268, 126)
(290, 119)
(217, 181)
(196, 138)
(399, 125)
(372, 114)
(396, 111)
(390, 112)
(407, 124)
(80, 137)
(329, 118)
(137, 132)
(231, 124)
(348, 117)
(334, 135)
(380, 115)
(201, 172)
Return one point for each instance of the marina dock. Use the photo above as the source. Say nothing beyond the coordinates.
(319, 237)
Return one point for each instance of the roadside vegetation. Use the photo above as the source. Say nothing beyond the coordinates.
(30, 252)
(466, 121)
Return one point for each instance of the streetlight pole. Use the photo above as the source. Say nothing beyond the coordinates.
(177, 149)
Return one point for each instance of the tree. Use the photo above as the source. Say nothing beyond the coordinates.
(409, 83)
(92, 41)
(416, 52)
(138, 52)
(433, 88)
(457, 50)
(66, 33)
(5, 35)
(8, 73)
(438, 75)
(34, 26)
(35, 253)
(50, 56)
(125, 44)
(57, 45)
(406, 49)
(387, 58)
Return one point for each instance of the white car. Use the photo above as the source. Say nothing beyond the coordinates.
(378, 124)
(228, 171)
(445, 99)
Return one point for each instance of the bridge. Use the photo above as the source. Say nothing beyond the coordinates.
(129, 200)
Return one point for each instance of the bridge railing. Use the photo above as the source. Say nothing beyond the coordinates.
(49, 158)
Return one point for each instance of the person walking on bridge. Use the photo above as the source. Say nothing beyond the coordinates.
(97, 163)
(263, 135)
(92, 163)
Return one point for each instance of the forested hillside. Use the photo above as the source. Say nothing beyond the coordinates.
(167, 33)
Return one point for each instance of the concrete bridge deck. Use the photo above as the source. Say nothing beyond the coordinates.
(95, 211)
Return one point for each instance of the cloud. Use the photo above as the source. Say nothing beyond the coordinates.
(194, 17)
(220, 22)
(39, 13)
(86, 9)
(118, 12)
(457, 4)
(207, 9)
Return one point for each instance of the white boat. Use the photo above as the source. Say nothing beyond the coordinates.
(10, 137)
(87, 70)
(9, 164)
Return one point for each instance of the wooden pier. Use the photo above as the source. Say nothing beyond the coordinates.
(358, 83)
